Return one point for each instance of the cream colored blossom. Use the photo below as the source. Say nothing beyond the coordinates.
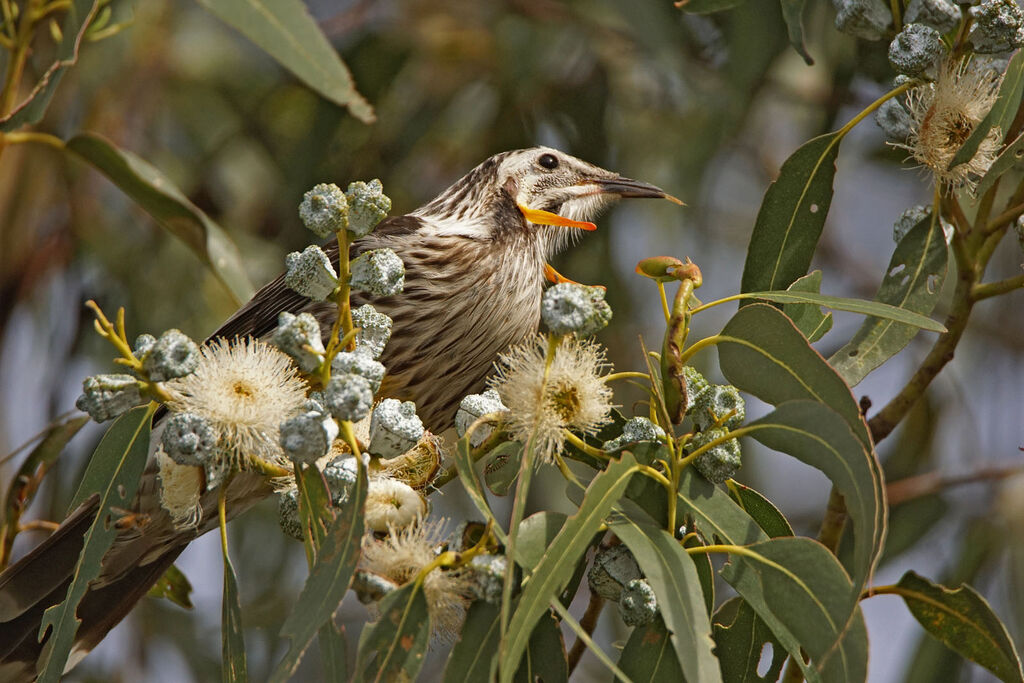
(245, 389)
(180, 489)
(572, 395)
(944, 114)
(403, 554)
(391, 503)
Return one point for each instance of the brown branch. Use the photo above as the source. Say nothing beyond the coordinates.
(921, 485)
(588, 623)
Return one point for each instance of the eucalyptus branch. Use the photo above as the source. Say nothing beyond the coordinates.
(991, 289)
(588, 622)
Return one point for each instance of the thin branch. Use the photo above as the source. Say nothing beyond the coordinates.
(922, 485)
(588, 622)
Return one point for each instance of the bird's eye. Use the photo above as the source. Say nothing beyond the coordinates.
(548, 161)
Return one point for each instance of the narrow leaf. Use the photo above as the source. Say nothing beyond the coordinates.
(559, 563)
(912, 282)
(792, 216)
(649, 657)
(328, 580)
(838, 303)
(673, 576)
(544, 659)
(740, 639)
(113, 472)
(762, 510)
(535, 535)
(77, 16)
(285, 30)
(1000, 115)
(962, 620)
(333, 652)
(233, 666)
(155, 193)
(802, 593)
(808, 318)
(1007, 159)
(399, 637)
(471, 657)
(715, 515)
(471, 485)
(173, 586)
(793, 15)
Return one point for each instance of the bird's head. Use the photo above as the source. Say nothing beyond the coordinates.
(539, 193)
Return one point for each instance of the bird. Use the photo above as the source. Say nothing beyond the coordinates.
(477, 261)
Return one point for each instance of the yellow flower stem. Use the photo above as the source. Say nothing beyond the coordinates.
(22, 137)
(223, 517)
(722, 548)
(692, 350)
(624, 375)
(269, 469)
(584, 446)
(664, 301)
(567, 474)
(895, 92)
(657, 476)
(348, 433)
(897, 19)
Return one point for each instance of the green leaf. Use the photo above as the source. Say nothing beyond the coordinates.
(803, 595)
(333, 652)
(707, 6)
(399, 637)
(912, 282)
(875, 308)
(793, 15)
(762, 353)
(544, 659)
(673, 577)
(962, 620)
(808, 318)
(328, 580)
(792, 216)
(1007, 159)
(648, 656)
(173, 586)
(29, 476)
(285, 30)
(503, 469)
(535, 535)
(78, 15)
(155, 193)
(471, 485)
(1001, 114)
(715, 515)
(477, 647)
(740, 638)
(762, 510)
(816, 435)
(705, 572)
(559, 563)
(113, 472)
(233, 666)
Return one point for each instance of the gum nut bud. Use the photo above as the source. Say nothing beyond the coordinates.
(719, 463)
(391, 503)
(998, 26)
(638, 604)
(294, 333)
(172, 355)
(105, 397)
(189, 439)
(487, 577)
(379, 272)
(307, 437)
(394, 428)
(719, 401)
(341, 475)
(348, 397)
(374, 330)
(696, 385)
(613, 568)
(324, 210)
(915, 48)
(310, 273)
(575, 308)
(867, 19)
(368, 205)
(143, 344)
(635, 430)
(894, 120)
(359, 362)
(288, 513)
(371, 587)
(475, 406)
(941, 15)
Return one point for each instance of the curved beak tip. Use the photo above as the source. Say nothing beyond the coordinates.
(628, 188)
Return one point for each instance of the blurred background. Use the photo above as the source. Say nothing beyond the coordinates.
(707, 107)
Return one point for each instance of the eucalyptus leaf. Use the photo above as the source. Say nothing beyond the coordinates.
(233, 665)
(1011, 155)
(155, 193)
(328, 580)
(762, 510)
(545, 659)
(536, 533)
(793, 14)
(1001, 115)
(473, 654)
(649, 657)
(715, 515)
(113, 473)
(333, 652)
(913, 282)
(964, 621)
(471, 485)
(792, 216)
(285, 30)
(78, 14)
(838, 303)
(560, 561)
(503, 469)
(740, 638)
(673, 576)
(173, 586)
(808, 318)
(399, 637)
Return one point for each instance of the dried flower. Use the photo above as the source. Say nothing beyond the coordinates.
(998, 26)
(941, 15)
(915, 48)
(403, 554)
(245, 389)
(105, 397)
(324, 210)
(180, 489)
(392, 503)
(572, 396)
(944, 114)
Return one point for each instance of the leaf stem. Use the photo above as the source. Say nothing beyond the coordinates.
(991, 289)
(21, 137)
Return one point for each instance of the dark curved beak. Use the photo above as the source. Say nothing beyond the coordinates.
(628, 188)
